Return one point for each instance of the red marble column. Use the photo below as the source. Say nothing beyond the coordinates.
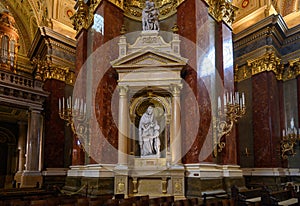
(105, 49)
(54, 140)
(78, 154)
(266, 120)
(81, 50)
(229, 153)
(191, 17)
(284, 163)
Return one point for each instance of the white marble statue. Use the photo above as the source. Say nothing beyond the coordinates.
(149, 134)
(150, 17)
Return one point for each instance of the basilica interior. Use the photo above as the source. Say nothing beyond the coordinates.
(158, 97)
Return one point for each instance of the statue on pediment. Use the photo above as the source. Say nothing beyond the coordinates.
(150, 17)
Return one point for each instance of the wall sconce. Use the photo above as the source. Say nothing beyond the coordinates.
(229, 111)
(76, 117)
(289, 139)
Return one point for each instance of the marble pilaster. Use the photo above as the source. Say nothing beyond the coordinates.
(21, 145)
(31, 176)
(21, 151)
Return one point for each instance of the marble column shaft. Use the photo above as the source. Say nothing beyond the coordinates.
(21, 145)
(176, 126)
(34, 141)
(123, 126)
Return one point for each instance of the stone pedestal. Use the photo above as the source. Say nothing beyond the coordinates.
(31, 179)
(151, 176)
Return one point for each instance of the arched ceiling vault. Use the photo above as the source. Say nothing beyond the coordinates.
(251, 11)
(31, 14)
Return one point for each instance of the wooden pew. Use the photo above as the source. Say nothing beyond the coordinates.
(247, 196)
(283, 197)
(215, 198)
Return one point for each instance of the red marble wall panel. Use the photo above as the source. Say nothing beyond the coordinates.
(282, 114)
(54, 139)
(107, 138)
(191, 16)
(80, 66)
(266, 120)
(81, 51)
(229, 155)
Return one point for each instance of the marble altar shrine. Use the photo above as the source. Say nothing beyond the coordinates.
(149, 123)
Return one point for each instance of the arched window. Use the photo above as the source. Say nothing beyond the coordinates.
(4, 49)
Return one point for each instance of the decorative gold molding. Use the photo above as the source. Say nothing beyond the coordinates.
(222, 10)
(293, 70)
(268, 62)
(46, 70)
(133, 9)
(83, 16)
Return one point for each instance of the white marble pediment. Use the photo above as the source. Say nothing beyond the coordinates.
(148, 58)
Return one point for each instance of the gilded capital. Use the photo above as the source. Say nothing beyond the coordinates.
(292, 70)
(268, 62)
(82, 18)
(222, 10)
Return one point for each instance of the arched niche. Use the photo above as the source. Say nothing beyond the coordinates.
(139, 103)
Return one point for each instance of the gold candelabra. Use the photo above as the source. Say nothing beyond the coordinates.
(229, 111)
(288, 141)
(74, 113)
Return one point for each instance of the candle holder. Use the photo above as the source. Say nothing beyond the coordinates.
(290, 137)
(232, 109)
(74, 113)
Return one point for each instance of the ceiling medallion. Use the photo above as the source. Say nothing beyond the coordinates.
(133, 8)
(245, 3)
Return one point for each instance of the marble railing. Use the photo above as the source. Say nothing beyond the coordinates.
(20, 81)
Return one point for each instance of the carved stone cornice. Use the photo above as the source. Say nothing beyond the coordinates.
(268, 62)
(222, 10)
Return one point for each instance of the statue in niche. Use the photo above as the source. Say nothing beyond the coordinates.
(149, 134)
(150, 17)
